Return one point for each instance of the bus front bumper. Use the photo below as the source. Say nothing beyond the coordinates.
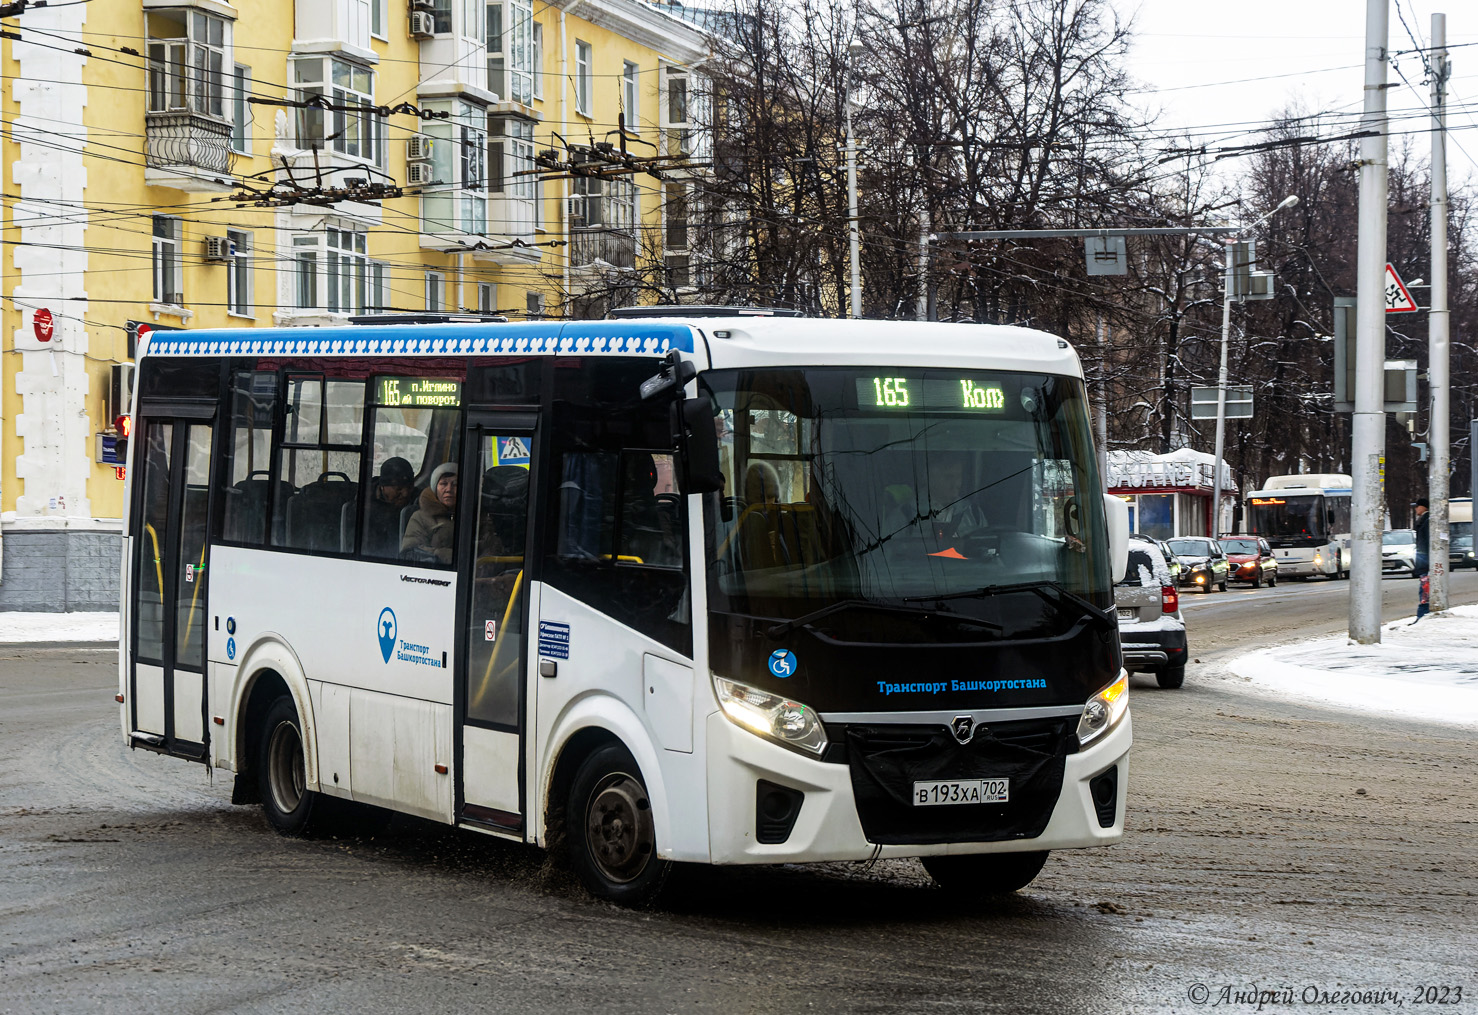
(828, 828)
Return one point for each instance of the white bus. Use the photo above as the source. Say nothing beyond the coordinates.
(1306, 520)
(729, 590)
(1460, 533)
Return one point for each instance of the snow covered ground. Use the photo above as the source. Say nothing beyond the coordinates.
(1427, 670)
(41, 627)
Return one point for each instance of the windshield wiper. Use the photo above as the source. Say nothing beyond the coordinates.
(776, 631)
(1050, 591)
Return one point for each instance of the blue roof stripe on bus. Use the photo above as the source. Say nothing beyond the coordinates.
(584, 338)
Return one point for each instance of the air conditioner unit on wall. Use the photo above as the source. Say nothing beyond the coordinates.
(575, 210)
(423, 25)
(418, 148)
(418, 174)
(217, 248)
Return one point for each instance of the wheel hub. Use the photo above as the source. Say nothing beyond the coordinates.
(618, 827)
(285, 763)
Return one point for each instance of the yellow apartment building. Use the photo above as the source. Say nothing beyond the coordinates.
(197, 163)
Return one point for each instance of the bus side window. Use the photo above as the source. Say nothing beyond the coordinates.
(619, 538)
(319, 463)
(248, 494)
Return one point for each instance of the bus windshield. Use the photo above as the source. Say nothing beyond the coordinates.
(888, 486)
(1287, 516)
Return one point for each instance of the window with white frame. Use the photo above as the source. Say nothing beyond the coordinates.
(166, 260)
(582, 77)
(510, 25)
(356, 19)
(458, 203)
(241, 109)
(378, 300)
(441, 16)
(238, 274)
(631, 94)
(608, 203)
(484, 297)
(676, 112)
(187, 62)
(511, 152)
(435, 290)
(332, 272)
(379, 18)
(353, 131)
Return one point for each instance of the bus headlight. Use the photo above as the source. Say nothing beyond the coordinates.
(1104, 710)
(786, 722)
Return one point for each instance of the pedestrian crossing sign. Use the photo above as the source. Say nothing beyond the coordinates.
(511, 451)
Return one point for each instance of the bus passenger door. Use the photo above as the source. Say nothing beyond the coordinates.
(172, 481)
(491, 699)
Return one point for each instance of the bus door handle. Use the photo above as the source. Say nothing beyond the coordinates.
(548, 668)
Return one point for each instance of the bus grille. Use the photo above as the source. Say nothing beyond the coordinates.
(886, 761)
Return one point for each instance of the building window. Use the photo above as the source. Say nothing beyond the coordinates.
(346, 270)
(352, 131)
(675, 120)
(379, 15)
(441, 16)
(238, 274)
(630, 96)
(677, 216)
(377, 300)
(511, 48)
(355, 20)
(435, 290)
(582, 77)
(484, 297)
(534, 305)
(187, 62)
(167, 274)
(603, 203)
(305, 272)
(511, 152)
(241, 109)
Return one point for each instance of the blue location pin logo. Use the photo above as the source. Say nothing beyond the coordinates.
(387, 632)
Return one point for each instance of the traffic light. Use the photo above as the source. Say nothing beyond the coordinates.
(124, 426)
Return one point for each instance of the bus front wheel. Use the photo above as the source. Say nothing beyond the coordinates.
(282, 772)
(983, 874)
(613, 839)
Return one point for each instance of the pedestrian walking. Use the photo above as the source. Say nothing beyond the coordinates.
(1422, 568)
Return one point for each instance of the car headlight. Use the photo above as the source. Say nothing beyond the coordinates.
(1104, 710)
(786, 722)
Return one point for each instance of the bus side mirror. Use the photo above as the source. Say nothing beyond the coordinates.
(698, 468)
(1116, 511)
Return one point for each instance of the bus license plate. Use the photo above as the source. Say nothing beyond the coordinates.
(961, 791)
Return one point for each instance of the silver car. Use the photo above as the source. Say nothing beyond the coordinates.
(1151, 628)
(1398, 551)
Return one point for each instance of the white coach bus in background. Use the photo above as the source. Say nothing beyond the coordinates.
(714, 589)
(1306, 521)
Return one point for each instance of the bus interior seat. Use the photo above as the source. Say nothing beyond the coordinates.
(313, 514)
(505, 510)
(247, 503)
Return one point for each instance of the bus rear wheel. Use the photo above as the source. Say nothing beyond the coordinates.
(282, 770)
(983, 874)
(613, 839)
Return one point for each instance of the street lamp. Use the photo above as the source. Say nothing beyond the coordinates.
(1221, 376)
(855, 50)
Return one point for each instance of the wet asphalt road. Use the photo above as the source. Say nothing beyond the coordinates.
(1270, 844)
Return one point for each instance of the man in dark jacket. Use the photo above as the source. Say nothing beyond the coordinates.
(1423, 563)
(392, 491)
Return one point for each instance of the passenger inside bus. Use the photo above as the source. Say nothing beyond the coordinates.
(390, 493)
(431, 531)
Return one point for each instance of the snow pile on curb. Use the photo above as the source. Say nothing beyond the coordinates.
(41, 627)
(1427, 670)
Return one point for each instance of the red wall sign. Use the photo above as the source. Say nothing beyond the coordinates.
(43, 324)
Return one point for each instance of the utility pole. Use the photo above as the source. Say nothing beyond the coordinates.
(1368, 422)
(1438, 365)
(853, 51)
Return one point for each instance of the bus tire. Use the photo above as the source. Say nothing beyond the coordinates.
(1170, 677)
(983, 874)
(282, 771)
(612, 837)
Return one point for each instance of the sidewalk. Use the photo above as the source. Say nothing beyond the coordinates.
(68, 627)
(1427, 670)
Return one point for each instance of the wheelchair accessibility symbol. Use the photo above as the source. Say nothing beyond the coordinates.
(782, 663)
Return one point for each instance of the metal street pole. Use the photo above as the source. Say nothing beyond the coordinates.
(1438, 366)
(852, 52)
(1368, 423)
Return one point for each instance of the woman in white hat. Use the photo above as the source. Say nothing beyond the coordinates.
(431, 530)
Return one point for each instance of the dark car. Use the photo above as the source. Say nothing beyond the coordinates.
(1250, 559)
(1151, 629)
(1461, 552)
(1203, 563)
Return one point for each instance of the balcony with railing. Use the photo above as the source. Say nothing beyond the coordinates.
(187, 151)
(602, 247)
